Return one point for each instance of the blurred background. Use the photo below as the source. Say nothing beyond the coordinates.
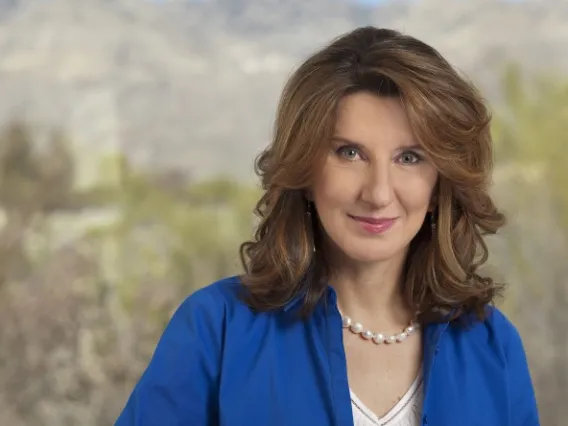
(128, 130)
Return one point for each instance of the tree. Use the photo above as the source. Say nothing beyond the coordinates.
(32, 183)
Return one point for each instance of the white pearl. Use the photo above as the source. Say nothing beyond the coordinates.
(401, 336)
(378, 338)
(357, 327)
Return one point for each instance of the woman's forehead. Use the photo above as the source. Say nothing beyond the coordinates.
(367, 120)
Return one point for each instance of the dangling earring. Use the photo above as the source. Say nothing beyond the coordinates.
(311, 222)
(433, 223)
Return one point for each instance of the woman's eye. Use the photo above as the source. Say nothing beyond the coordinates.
(348, 152)
(409, 157)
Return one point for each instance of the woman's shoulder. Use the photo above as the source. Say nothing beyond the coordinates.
(222, 291)
(505, 331)
(495, 332)
(497, 321)
(215, 300)
(184, 370)
(498, 325)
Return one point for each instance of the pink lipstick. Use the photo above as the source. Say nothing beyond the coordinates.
(374, 225)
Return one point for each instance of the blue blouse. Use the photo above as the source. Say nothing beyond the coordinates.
(219, 363)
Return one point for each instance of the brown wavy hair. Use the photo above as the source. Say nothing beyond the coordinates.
(452, 123)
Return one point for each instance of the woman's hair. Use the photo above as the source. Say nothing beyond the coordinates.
(451, 122)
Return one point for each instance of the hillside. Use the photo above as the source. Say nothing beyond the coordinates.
(193, 84)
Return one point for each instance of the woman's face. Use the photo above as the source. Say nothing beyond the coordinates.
(376, 185)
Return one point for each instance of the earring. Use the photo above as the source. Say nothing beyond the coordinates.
(309, 214)
(433, 223)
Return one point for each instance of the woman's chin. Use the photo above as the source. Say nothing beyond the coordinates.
(362, 255)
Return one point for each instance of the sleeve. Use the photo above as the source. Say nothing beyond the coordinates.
(523, 406)
(180, 383)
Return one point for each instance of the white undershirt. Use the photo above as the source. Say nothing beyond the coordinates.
(406, 412)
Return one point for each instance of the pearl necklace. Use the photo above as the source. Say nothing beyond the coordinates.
(378, 338)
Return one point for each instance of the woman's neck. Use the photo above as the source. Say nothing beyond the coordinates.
(372, 293)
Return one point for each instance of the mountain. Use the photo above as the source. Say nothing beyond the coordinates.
(193, 84)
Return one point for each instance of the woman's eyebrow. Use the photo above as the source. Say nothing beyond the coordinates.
(347, 141)
(360, 145)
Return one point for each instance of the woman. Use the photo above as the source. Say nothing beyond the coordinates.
(362, 301)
